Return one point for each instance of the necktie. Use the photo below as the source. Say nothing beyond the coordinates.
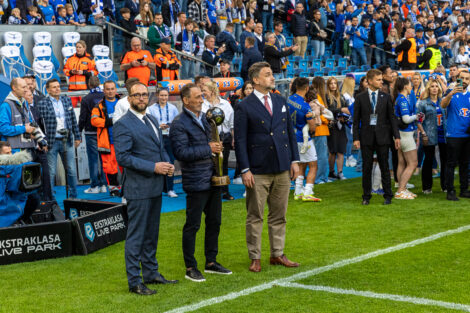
(374, 101)
(266, 105)
(149, 125)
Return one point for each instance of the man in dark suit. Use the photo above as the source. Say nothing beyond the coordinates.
(140, 151)
(190, 135)
(266, 150)
(373, 127)
(250, 56)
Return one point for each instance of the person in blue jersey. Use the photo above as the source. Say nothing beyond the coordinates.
(358, 35)
(432, 130)
(301, 115)
(407, 154)
(457, 103)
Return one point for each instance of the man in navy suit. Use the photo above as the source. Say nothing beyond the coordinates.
(266, 150)
(140, 151)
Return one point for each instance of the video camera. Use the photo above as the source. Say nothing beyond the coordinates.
(18, 177)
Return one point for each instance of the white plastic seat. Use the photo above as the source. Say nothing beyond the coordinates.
(44, 71)
(67, 52)
(105, 70)
(12, 66)
(42, 38)
(12, 38)
(70, 38)
(42, 53)
(100, 52)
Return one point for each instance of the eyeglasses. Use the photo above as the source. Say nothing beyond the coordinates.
(140, 95)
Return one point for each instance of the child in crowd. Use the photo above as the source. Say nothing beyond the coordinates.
(347, 44)
(61, 16)
(33, 17)
(15, 18)
(72, 17)
(462, 58)
(317, 109)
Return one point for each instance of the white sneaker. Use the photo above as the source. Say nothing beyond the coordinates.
(103, 189)
(238, 181)
(409, 186)
(352, 161)
(347, 162)
(92, 190)
(172, 194)
(244, 194)
(341, 176)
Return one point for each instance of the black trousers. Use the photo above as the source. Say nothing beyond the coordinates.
(46, 189)
(394, 162)
(426, 171)
(458, 151)
(443, 159)
(209, 202)
(367, 162)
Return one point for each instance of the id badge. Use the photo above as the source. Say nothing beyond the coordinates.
(373, 119)
(166, 131)
(60, 123)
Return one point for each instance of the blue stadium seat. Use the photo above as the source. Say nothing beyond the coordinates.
(339, 69)
(44, 53)
(317, 63)
(297, 59)
(298, 71)
(319, 73)
(344, 72)
(67, 52)
(326, 70)
(310, 59)
(44, 71)
(332, 73)
(12, 67)
(365, 68)
(327, 53)
(358, 70)
(337, 57)
(289, 41)
(330, 63)
(377, 65)
(312, 71)
(304, 74)
(105, 70)
(291, 58)
(15, 39)
(44, 39)
(290, 75)
(352, 68)
(343, 62)
(290, 66)
(303, 64)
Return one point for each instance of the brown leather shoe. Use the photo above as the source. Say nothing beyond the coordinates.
(283, 260)
(255, 266)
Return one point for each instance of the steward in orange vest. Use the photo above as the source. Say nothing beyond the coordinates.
(79, 67)
(167, 64)
(101, 118)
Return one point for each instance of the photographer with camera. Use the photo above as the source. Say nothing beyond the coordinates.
(457, 103)
(19, 130)
(60, 125)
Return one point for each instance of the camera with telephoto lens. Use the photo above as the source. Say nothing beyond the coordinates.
(37, 135)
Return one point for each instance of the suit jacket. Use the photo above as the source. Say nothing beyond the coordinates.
(263, 143)
(137, 150)
(386, 120)
(46, 110)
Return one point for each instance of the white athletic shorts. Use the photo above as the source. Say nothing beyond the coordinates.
(407, 141)
(310, 155)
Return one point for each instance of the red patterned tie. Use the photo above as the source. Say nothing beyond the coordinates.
(266, 105)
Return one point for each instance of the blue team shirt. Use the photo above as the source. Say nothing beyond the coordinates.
(298, 109)
(458, 116)
(62, 19)
(405, 107)
(110, 108)
(48, 12)
(441, 136)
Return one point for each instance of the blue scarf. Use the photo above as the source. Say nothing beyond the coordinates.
(186, 47)
(177, 10)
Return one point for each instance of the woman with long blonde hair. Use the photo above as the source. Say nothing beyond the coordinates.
(347, 92)
(432, 130)
(212, 99)
(337, 140)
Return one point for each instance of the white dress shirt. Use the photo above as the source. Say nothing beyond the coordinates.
(261, 98)
(140, 116)
(121, 108)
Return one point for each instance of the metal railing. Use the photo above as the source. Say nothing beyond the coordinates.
(146, 40)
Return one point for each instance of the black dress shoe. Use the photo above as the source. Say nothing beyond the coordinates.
(387, 201)
(451, 196)
(365, 202)
(227, 196)
(161, 280)
(465, 194)
(142, 290)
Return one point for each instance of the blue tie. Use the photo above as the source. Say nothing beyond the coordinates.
(374, 101)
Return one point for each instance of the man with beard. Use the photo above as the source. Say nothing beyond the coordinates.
(140, 151)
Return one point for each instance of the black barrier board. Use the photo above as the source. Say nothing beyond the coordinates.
(99, 230)
(35, 242)
(78, 207)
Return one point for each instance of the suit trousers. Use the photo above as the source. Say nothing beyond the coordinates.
(142, 239)
(209, 202)
(367, 162)
(273, 188)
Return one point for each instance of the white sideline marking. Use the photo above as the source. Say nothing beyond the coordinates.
(318, 270)
(382, 296)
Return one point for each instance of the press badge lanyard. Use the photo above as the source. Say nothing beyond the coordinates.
(373, 116)
(167, 114)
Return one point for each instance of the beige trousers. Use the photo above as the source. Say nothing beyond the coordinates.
(302, 42)
(273, 188)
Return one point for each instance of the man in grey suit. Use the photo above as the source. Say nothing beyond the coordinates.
(140, 151)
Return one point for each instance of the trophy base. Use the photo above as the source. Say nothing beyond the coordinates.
(220, 181)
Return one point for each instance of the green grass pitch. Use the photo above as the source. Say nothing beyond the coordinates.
(318, 234)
